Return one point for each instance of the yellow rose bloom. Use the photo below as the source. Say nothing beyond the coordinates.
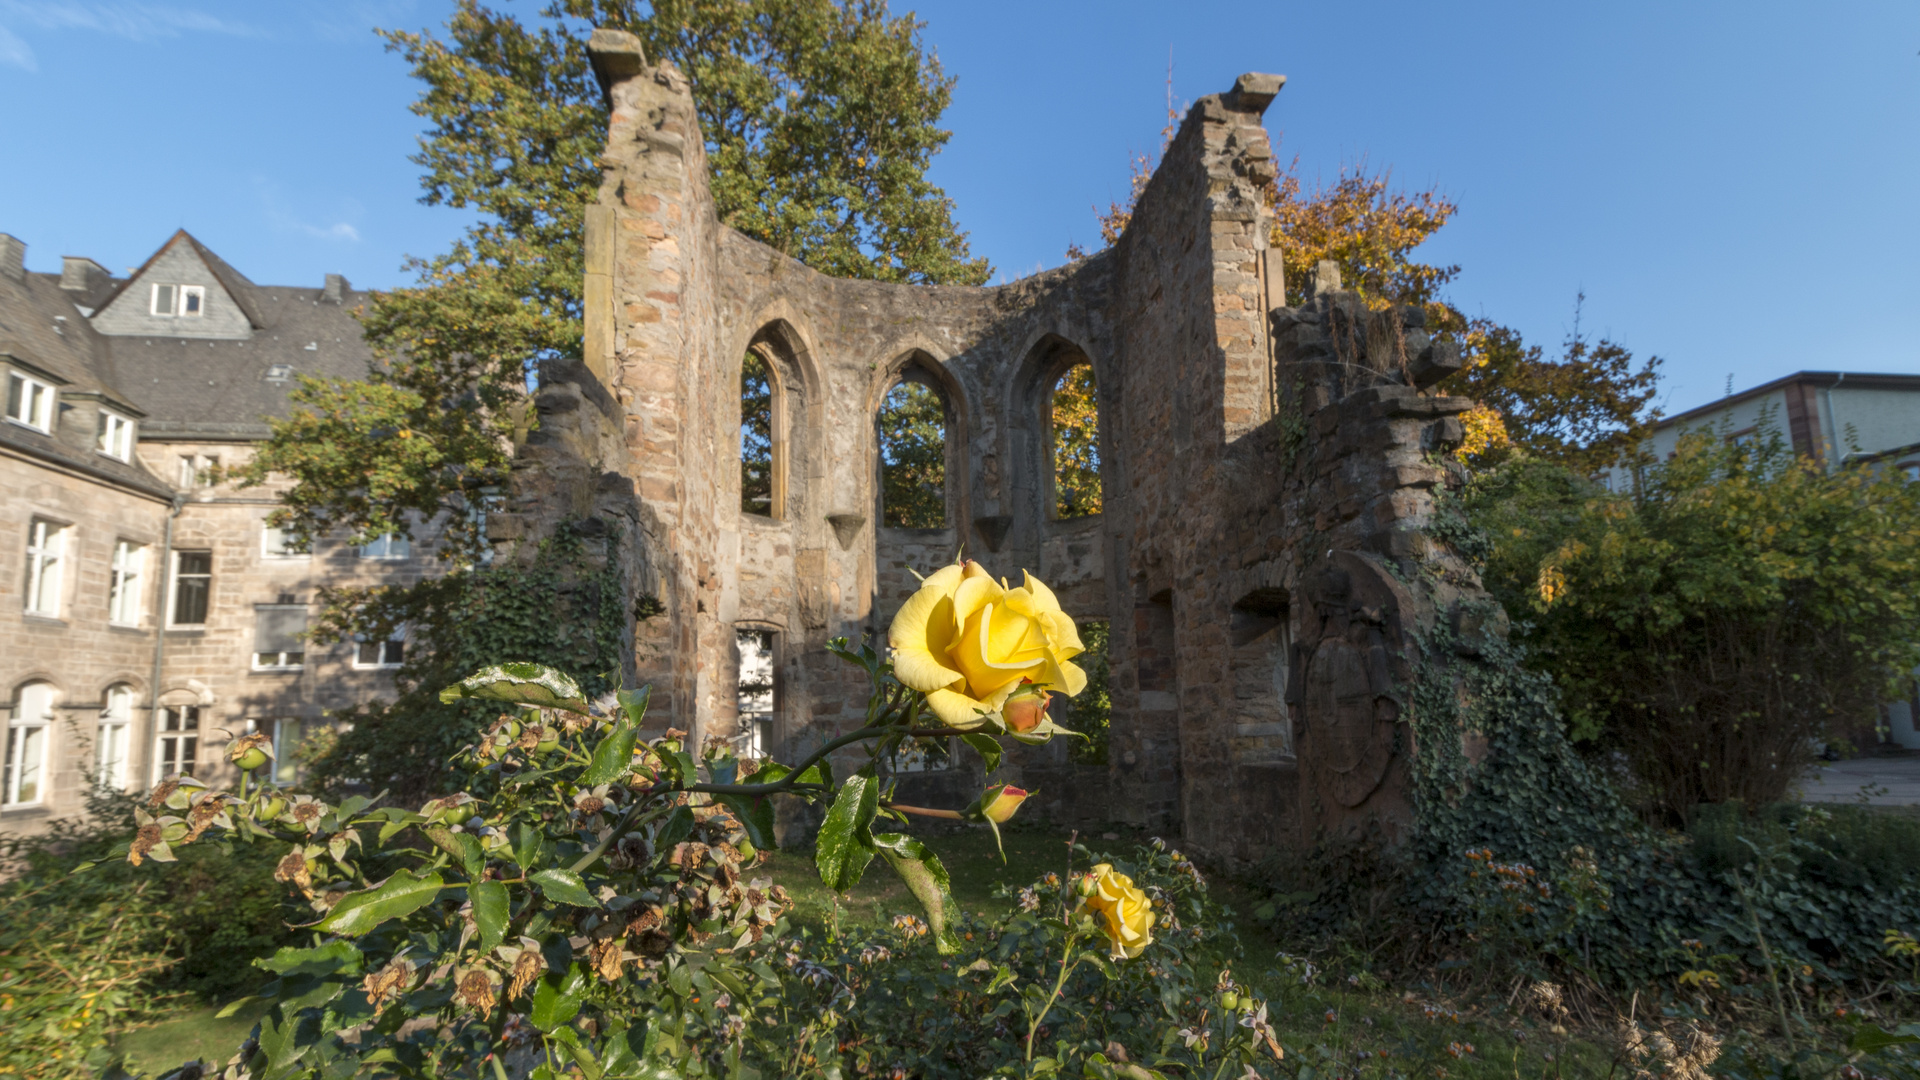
(968, 642)
(1124, 912)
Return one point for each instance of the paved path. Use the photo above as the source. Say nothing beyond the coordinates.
(1892, 781)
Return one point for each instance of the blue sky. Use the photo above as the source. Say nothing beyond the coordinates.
(1735, 186)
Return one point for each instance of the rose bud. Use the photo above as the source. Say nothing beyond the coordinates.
(1026, 708)
(997, 804)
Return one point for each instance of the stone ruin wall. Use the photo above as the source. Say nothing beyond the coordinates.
(1267, 472)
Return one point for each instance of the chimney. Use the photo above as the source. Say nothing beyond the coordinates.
(13, 257)
(80, 274)
(336, 290)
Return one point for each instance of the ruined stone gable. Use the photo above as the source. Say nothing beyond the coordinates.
(1267, 474)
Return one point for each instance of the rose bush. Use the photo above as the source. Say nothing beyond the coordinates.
(588, 903)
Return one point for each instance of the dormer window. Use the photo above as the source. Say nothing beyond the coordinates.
(29, 402)
(115, 438)
(180, 301)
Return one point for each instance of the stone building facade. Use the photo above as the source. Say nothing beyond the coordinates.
(148, 615)
(1267, 470)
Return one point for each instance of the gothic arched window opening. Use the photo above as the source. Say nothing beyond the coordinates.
(1074, 423)
(913, 454)
(756, 437)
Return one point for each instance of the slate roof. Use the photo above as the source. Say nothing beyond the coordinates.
(42, 330)
(193, 388)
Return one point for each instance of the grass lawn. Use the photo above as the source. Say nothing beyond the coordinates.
(1329, 1027)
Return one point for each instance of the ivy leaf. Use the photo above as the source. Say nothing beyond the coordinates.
(519, 684)
(926, 879)
(845, 845)
(613, 758)
(490, 912)
(986, 746)
(564, 886)
(397, 897)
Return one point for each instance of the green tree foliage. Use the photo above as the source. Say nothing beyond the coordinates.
(1076, 444)
(913, 457)
(756, 436)
(1720, 622)
(820, 120)
(1091, 713)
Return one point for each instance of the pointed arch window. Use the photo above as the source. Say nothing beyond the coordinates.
(1073, 411)
(913, 423)
(758, 467)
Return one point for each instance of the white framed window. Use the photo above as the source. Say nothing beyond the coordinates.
(754, 692)
(387, 546)
(390, 653)
(126, 577)
(29, 401)
(178, 749)
(116, 726)
(46, 565)
(179, 301)
(278, 630)
(115, 436)
(276, 544)
(192, 588)
(28, 733)
(196, 471)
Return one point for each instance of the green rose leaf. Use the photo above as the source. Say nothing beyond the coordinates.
(397, 897)
(320, 960)
(845, 846)
(986, 746)
(755, 814)
(926, 879)
(1870, 1039)
(677, 827)
(490, 912)
(286, 1039)
(634, 703)
(564, 886)
(519, 684)
(528, 844)
(556, 998)
(613, 758)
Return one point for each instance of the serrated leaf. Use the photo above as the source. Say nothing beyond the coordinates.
(634, 703)
(527, 844)
(472, 854)
(845, 845)
(556, 998)
(319, 960)
(519, 684)
(677, 827)
(397, 897)
(286, 1039)
(564, 886)
(755, 814)
(613, 758)
(490, 912)
(986, 746)
(926, 879)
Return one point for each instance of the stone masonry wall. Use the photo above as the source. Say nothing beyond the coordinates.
(1267, 475)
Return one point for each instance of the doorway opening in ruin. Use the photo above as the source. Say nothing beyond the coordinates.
(1258, 669)
(756, 437)
(1073, 437)
(913, 424)
(756, 697)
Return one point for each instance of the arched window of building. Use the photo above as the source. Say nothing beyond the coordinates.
(1074, 432)
(756, 701)
(913, 452)
(116, 726)
(757, 466)
(29, 731)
